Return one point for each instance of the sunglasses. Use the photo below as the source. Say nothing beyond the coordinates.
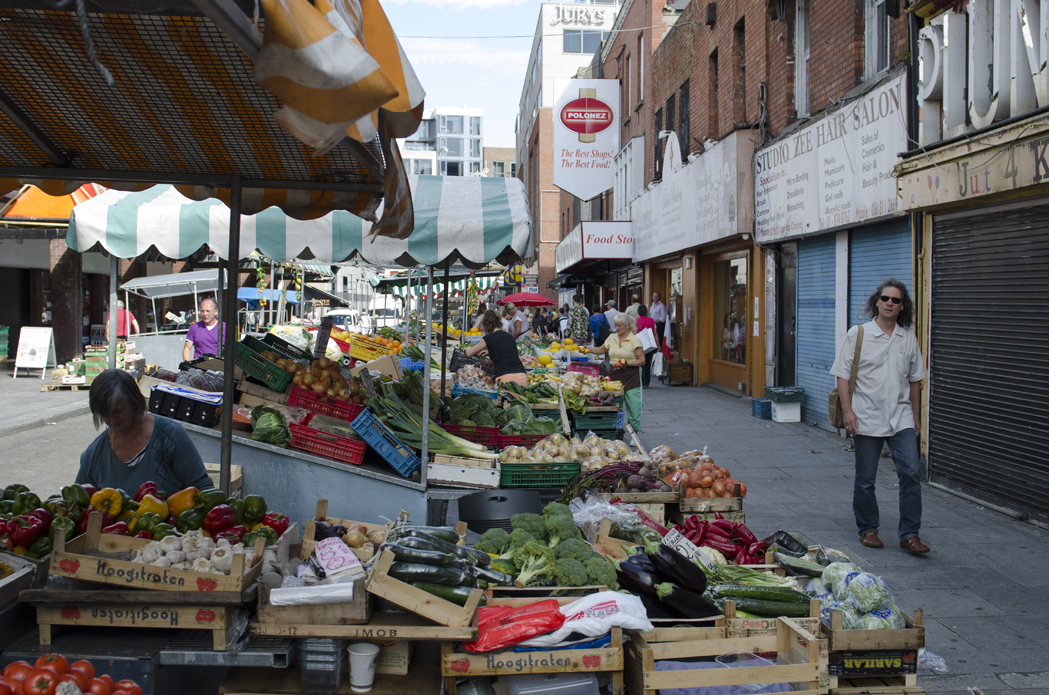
(886, 298)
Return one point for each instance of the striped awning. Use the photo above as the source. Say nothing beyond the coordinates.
(473, 219)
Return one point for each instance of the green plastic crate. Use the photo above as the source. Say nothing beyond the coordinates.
(258, 346)
(595, 421)
(537, 474)
(259, 367)
(610, 435)
(283, 347)
(784, 394)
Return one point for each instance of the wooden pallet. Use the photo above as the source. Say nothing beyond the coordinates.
(217, 619)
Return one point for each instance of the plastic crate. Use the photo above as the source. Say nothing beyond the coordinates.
(528, 440)
(257, 366)
(386, 444)
(326, 444)
(458, 390)
(367, 349)
(610, 435)
(589, 369)
(621, 420)
(784, 394)
(460, 360)
(322, 405)
(595, 421)
(537, 474)
(278, 344)
(488, 436)
(259, 346)
(761, 408)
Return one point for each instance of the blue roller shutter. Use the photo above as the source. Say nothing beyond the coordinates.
(815, 333)
(877, 253)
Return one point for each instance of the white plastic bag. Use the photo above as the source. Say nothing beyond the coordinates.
(325, 593)
(659, 365)
(595, 615)
(648, 340)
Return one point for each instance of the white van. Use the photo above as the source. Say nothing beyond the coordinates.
(346, 319)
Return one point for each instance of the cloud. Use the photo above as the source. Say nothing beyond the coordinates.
(461, 4)
(466, 52)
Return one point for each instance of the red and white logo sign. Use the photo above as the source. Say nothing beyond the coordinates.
(587, 116)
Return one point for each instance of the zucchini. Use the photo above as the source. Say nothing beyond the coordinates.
(445, 533)
(762, 593)
(455, 594)
(799, 568)
(767, 609)
(476, 556)
(417, 572)
(425, 556)
(490, 575)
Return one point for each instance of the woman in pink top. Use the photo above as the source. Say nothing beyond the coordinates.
(643, 322)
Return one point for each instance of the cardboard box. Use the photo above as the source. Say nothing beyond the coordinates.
(394, 657)
(387, 365)
(74, 380)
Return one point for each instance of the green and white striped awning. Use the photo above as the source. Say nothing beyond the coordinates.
(482, 282)
(468, 218)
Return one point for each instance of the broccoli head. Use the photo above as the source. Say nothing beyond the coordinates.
(601, 572)
(560, 528)
(494, 541)
(556, 508)
(533, 561)
(532, 523)
(570, 572)
(518, 539)
(575, 548)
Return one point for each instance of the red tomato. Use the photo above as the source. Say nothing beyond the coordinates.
(5, 689)
(17, 671)
(107, 679)
(53, 662)
(76, 677)
(41, 681)
(84, 667)
(127, 686)
(97, 686)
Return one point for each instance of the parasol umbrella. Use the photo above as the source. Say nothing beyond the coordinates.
(526, 299)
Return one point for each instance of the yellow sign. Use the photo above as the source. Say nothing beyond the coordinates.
(514, 275)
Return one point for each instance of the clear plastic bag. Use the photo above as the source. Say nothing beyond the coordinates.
(868, 592)
(927, 659)
(589, 512)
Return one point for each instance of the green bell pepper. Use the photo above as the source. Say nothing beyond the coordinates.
(263, 531)
(254, 509)
(39, 548)
(209, 499)
(189, 520)
(76, 493)
(237, 505)
(52, 503)
(11, 491)
(64, 523)
(26, 502)
(127, 502)
(7, 506)
(70, 510)
(146, 522)
(163, 530)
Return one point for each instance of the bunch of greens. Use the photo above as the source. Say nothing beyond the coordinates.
(473, 409)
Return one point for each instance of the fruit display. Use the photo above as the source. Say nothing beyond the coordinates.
(52, 673)
(474, 333)
(560, 449)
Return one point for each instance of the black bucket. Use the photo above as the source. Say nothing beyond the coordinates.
(493, 508)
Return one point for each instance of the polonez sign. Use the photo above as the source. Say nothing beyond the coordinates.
(585, 135)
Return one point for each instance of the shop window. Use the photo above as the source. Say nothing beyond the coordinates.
(657, 164)
(684, 116)
(730, 310)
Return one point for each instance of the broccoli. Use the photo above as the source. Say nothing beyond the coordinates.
(532, 523)
(556, 508)
(533, 561)
(601, 572)
(560, 527)
(518, 539)
(494, 541)
(570, 572)
(575, 548)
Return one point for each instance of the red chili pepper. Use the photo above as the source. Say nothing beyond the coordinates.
(144, 534)
(699, 534)
(756, 549)
(25, 529)
(718, 517)
(727, 549)
(717, 534)
(117, 529)
(276, 521)
(745, 533)
(726, 526)
(146, 488)
(107, 520)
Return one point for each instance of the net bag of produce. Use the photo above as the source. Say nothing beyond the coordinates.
(888, 618)
(868, 592)
(835, 571)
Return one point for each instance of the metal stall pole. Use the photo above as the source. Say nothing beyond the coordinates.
(426, 378)
(232, 278)
(127, 307)
(444, 322)
(196, 304)
(269, 301)
(220, 296)
(408, 309)
(114, 265)
(156, 319)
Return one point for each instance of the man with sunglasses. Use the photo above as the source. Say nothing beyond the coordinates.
(884, 409)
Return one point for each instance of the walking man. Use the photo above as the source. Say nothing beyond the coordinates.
(657, 311)
(578, 322)
(884, 409)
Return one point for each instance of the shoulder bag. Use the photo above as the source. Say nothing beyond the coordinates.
(837, 416)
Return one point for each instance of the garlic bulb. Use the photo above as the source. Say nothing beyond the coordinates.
(169, 543)
(222, 559)
(175, 556)
(201, 565)
(161, 561)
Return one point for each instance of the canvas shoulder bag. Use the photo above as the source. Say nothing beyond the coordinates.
(837, 416)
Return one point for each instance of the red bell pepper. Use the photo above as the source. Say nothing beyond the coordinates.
(172, 520)
(44, 516)
(276, 521)
(90, 489)
(117, 529)
(233, 534)
(729, 550)
(146, 488)
(107, 520)
(25, 529)
(144, 534)
(745, 534)
(757, 549)
(220, 518)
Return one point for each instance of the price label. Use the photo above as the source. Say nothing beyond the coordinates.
(678, 542)
(335, 556)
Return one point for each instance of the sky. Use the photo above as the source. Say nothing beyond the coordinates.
(457, 69)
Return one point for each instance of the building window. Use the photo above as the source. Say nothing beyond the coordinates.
(876, 20)
(345, 285)
(626, 90)
(513, 169)
(475, 167)
(683, 121)
(573, 41)
(452, 168)
(539, 99)
(640, 69)
(658, 152)
(539, 51)
(421, 167)
(739, 58)
(670, 111)
(801, 58)
(417, 146)
(452, 125)
(730, 310)
(475, 147)
(475, 125)
(583, 40)
(499, 169)
(712, 118)
(453, 145)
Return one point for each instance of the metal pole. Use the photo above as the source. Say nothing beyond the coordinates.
(156, 319)
(219, 296)
(426, 378)
(196, 303)
(232, 278)
(127, 307)
(269, 301)
(444, 322)
(114, 265)
(408, 309)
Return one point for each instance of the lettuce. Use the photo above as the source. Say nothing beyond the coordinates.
(268, 426)
(868, 592)
(833, 572)
(888, 618)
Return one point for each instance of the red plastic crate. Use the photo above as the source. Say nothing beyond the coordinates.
(322, 405)
(528, 440)
(591, 369)
(329, 445)
(488, 436)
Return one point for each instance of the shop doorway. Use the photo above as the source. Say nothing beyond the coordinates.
(786, 310)
(730, 300)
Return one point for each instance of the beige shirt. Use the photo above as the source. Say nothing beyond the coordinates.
(631, 311)
(888, 366)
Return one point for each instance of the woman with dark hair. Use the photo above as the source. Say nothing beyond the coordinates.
(645, 321)
(136, 446)
(502, 349)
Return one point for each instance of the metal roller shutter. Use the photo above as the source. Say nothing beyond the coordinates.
(877, 253)
(989, 356)
(815, 321)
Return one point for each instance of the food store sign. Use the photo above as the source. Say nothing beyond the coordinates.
(604, 240)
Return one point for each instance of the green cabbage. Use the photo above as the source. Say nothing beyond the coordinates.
(888, 618)
(849, 613)
(268, 426)
(868, 592)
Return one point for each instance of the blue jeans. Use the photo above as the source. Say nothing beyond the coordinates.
(904, 449)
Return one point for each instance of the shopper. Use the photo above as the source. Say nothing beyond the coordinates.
(611, 312)
(562, 324)
(126, 323)
(540, 322)
(578, 326)
(627, 355)
(203, 336)
(884, 409)
(502, 349)
(645, 321)
(657, 311)
(522, 326)
(136, 446)
(599, 327)
(479, 316)
(631, 310)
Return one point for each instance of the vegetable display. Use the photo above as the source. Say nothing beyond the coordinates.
(51, 673)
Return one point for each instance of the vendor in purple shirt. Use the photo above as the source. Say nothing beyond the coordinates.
(203, 336)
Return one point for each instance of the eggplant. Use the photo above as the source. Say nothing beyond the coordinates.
(643, 561)
(322, 531)
(338, 530)
(656, 610)
(687, 603)
(679, 569)
(637, 578)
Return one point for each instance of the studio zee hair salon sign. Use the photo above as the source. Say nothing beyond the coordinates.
(586, 135)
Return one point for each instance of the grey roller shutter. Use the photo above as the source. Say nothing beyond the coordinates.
(989, 356)
(815, 326)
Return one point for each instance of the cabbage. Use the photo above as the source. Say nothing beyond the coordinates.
(868, 592)
(889, 618)
(268, 426)
(849, 613)
(834, 570)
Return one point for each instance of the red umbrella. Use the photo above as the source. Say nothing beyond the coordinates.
(526, 299)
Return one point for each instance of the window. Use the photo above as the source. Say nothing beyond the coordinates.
(573, 41)
(626, 90)
(730, 310)
(801, 58)
(670, 113)
(876, 20)
(499, 169)
(683, 121)
(475, 167)
(452, 168)
(475, 125)
(712, 81)
(535, 68)
(583, 40)
(591, 42)
(539, 99)
(658, 159)
(421, 167)
(539, 51)
(345, 284)
(640, 69)
(475, 147)
(513, 169)
(739, 54)
(452, 124)
(410, 145)
(453, 145)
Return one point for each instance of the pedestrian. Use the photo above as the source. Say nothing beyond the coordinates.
(126, 323)
(578, 322)
(599, 327)
(203, 338)
(501, 349)
(479, 316)
(540, 322)
(645, 321)
(611, 312)
(522, 325)
(657, 311)
(562, 324)
(884, 409)
(631, 310)
(627, 355)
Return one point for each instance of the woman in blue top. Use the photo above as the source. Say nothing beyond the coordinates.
(136, 447)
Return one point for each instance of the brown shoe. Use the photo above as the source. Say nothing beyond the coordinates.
(870, 539)
(913, 544)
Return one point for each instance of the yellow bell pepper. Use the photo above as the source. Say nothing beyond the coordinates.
(126, 515)
(152, 505)
(254, 527)
(182, 500)
(19, 550)
(108, 500)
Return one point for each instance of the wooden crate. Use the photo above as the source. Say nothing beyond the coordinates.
(616, 547)
(878, 685)
(354, 612)
(851, 654)
(465, 461)
(310, 529)
(684, 630)
(100, 557)
(262, 392)
(388, 626)
(792, 644)
(704, 506)
(461, 476)
(538, 593)
(236, 477)
(751, 627)
(418, 601)
(911, 637)
(23, 573)
(217, 619)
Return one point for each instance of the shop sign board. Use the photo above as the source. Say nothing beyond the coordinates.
(835, 172)
(586, 135)
(36, 349)
(597, 240)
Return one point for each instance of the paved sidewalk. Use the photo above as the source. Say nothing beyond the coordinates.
(984, 587)
(23, 406)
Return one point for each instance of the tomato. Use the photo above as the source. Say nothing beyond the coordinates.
(97, 686)
(41, 681)
(17, 671)
(128, 686)
(76, 677)
(107, 679)
(84, 667)
(5, 689)
(53, 662)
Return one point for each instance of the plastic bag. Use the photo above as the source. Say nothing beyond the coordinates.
(589, 512)
(927, 659)
(835, 570)
(849, 613)
(662, 454)
(867, 591)
(595, 615)
(499, 627)
(887, 618)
